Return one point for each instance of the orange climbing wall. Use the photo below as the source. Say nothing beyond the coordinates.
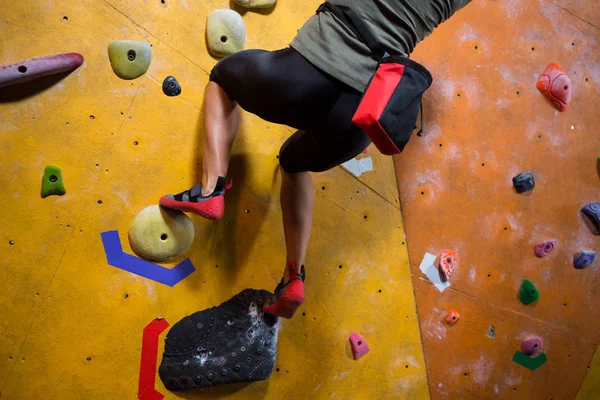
(71, 325)
(484, 123)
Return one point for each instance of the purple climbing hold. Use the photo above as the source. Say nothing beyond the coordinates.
(584, 259)
(532, 346)
(544, 248)
(592, 212)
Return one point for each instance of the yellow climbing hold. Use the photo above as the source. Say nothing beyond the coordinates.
(129, 59)
(159, 234)
(225, 32)
(256, 3)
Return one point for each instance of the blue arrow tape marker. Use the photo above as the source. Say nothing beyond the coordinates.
(117, 258)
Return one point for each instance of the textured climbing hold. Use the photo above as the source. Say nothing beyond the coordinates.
(171, 87)
(448, 260)
(200, 347)
(556, 86)
(256, 3)
(160, 234)
(529, 292)
(129, 59)
(452, 317)
(523, 182)
(584, 259)
(531, 363)
(359, 346)
(544, 248)
(39, 67)
(225, 32)
(531, 346)
(491, 333)
(52, 182)
(592, 212)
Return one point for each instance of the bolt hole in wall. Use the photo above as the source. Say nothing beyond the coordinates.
(22, 69)
(92, 117)
(65, 18)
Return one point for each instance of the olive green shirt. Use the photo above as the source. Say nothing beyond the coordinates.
(398, 25)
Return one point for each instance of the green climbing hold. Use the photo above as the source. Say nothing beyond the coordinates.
(529, 292)
(52, 183)
(129, 59)
(531, 363)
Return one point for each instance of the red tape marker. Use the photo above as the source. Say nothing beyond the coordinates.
(152, 331)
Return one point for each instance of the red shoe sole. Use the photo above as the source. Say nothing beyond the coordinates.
(288, 303)
(210, 209)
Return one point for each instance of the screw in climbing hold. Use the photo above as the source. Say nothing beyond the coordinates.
(452, 317)
(52, 183)
(171, 87)
(584, 259)
(528, 293)
(523, 182)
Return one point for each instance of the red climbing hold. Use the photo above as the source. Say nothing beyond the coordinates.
(359, 346)
(556, 86)
(452, 317)
(448, 261)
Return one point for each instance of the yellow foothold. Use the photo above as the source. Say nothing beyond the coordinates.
(159, 234)
(256, 3)
(129, 59)
(225, 32)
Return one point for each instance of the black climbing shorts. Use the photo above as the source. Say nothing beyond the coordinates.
(284, 88)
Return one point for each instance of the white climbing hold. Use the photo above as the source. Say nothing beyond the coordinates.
(225, 32)
(358, 167)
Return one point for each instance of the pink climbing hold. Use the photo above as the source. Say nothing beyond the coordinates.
(39, 67)
(544, 248)
(532, 346)
(359, 346)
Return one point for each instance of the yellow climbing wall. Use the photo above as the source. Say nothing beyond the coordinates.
(71, 325)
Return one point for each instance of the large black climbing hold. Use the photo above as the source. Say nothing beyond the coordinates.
(234, 342)
(523, 182)
(592, 212)
(171, 87)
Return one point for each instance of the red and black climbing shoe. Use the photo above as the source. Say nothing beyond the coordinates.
(210, 207)
(288, 296)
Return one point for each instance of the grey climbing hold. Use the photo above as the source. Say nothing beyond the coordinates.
(584, 259)
(225, 32)
(491, 333)
(171, 87)
(523, 182)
